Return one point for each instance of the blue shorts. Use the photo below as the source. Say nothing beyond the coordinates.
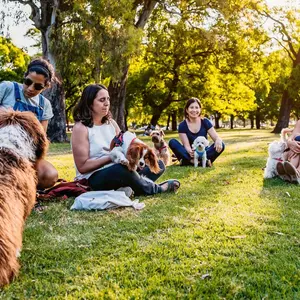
(297, 138)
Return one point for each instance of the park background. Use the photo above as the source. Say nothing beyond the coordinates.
(240, 58)
(228, 233)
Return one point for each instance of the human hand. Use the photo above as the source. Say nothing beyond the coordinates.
(191, 153)
(218, 145)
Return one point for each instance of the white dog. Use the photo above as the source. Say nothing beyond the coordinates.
(199, 145)
(276, 150)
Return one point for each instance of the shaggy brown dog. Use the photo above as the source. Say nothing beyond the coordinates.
(22, 143)
(161, 148)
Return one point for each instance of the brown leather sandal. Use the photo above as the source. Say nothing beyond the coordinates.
(292, 172)
(282, 173)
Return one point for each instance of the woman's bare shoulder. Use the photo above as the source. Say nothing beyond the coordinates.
(79, 128)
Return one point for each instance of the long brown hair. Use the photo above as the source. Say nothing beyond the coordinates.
(82, 112)
(188, 103)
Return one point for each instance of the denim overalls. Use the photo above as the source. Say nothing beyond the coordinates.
(21, 106)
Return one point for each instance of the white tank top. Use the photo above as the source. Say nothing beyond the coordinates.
(99, 137)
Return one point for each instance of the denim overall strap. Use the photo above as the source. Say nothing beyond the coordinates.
(17, 92)
(41, 108)
(21, 106)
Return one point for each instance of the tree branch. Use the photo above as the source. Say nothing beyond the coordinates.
(35, 12)
(283, 32)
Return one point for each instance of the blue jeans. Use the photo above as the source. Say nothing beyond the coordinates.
(181, 153)
(116, 176)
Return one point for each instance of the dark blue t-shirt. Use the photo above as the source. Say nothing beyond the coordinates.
(205, 126)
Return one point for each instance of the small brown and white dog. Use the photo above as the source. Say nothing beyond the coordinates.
(22, 142)
(128, 150)
(161, 147)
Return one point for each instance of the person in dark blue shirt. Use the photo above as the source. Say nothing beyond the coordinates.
(193, 126)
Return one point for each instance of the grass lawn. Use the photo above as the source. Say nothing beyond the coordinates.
(227, 234)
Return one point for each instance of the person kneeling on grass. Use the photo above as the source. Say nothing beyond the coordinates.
(192, 127)
(93, 131)
(289, 170)
(27, 97)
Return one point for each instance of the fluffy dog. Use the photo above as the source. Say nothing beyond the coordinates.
(127, 149)
(276, 150)
(160, 146)
(199, 145)
(22, 143)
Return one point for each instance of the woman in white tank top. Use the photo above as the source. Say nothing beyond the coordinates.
(94, 130)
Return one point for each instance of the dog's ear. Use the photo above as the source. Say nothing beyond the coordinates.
(161, 132)
(153, 161)
(132, 156)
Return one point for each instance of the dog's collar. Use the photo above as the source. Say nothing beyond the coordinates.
(161, 148)
(200, 153)
(279, 159)
(133, 140)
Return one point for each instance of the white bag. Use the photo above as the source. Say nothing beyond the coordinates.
(100, 200)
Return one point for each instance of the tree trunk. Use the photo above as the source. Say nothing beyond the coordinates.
(117, 89)
(174, 121)
(217, 120)
(231, 121)
(155, 117)
(284, 112)
(257, 118)
(44, 18)
(57, 125)
(168, 121)
(117, 93)
(251, 117)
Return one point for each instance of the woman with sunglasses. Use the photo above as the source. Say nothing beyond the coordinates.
(27, 97)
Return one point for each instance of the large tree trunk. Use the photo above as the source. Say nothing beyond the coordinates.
(117, 89)
(117, 93)
(44, 18)
(284, 112)
(57, 125)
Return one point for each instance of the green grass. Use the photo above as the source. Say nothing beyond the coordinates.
(227, 234)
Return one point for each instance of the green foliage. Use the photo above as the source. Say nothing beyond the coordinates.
(13, 61)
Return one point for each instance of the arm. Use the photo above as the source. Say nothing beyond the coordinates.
(45, 124)
(81, 149)
(217, 140)
(117, 128)
(186, 144)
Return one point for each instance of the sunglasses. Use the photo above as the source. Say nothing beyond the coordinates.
(37, 86)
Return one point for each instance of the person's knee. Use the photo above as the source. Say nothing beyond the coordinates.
(223, 147)
(47, 179)
(173, 143)
(47, 175)
(162, 167)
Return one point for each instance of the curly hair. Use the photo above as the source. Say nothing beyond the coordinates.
(188, 103)
(82, 112)
(43, 67)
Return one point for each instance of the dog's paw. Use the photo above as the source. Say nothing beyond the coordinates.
(122, 161)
